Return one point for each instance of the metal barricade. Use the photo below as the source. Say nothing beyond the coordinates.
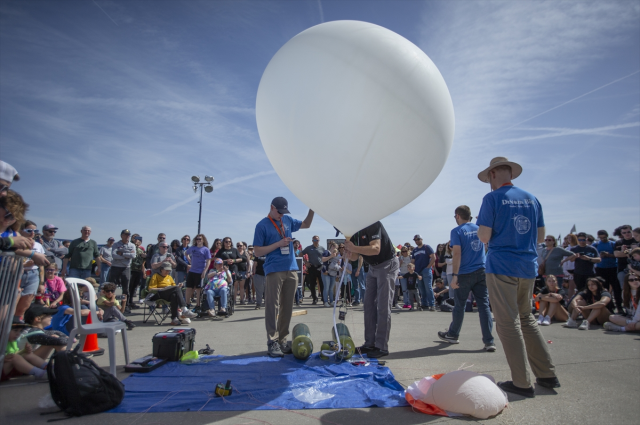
(10, 274)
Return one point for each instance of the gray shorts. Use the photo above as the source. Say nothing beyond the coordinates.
(30, 282)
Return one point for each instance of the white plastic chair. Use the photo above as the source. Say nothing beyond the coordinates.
(96, 326)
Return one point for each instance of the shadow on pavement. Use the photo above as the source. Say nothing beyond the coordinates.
(429, 351)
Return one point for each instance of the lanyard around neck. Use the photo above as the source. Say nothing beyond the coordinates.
(281, 232)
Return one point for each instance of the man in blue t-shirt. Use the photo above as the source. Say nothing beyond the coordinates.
(272, 239)
(608, 267)
(424, 258)
(468, 276)
(512, 224)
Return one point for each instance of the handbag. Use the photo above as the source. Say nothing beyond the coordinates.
(542, 266)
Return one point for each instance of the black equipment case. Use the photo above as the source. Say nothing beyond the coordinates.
(173, 343)
(145, 364)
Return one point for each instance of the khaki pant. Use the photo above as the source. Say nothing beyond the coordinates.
(280, 290)
(518, 329)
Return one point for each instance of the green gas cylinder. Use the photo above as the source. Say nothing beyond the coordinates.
(348, 347)
(301, 343)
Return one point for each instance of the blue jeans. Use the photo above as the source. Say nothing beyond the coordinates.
(80, 273)
(403, 285)
(104, 273)
(426, 290)
(30, 282)
(474, 282)
(181, 277)
(329, 283)
(222, 293)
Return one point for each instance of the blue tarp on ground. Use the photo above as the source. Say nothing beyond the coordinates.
(261, 383)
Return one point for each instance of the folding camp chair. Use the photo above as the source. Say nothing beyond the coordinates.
(159, 312)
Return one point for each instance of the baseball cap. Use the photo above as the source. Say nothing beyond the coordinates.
(125, 232)
(166, 266)
(8, 173)
(110, 239)
(281, 205)
(49, 227)
(37, 310)
(417, 237)
(218, 261)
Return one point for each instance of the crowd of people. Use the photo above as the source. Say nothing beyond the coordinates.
(582, 282)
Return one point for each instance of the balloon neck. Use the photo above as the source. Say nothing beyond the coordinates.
(347, 237)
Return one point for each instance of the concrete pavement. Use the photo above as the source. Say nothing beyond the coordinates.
(597, 370)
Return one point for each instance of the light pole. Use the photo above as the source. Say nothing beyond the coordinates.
(207, 188)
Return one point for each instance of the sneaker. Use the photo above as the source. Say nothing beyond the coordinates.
(257, 307)
(165, 310)
(510, 388)
(188, 314)
(490, 348)
(584, 326)
(185, 320)
(211, 313)
(571, 323)
(357, 303)
(127, 310)
(432, 308)
(612, 327)
(447, 338)
(327, 305)
(540, 319)
(285, 348)
(314, 302)
(377, 353)
(274, 349)
(548, 382)
(364, 349)
(298, 304)
(130, 324)
(546, 321)
(176, 322)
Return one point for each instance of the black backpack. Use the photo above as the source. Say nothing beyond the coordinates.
(79, 387)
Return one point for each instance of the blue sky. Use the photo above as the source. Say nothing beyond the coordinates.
(107, 108)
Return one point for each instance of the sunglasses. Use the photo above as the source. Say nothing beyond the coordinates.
(8, 215)
(161, 239)
(164, 246)
(635, 279)
(198, 239)
(109, 290)
(186, 239)
(227, 241)
(29, 230)
(581, 240)
(52, 231)
(4, 188)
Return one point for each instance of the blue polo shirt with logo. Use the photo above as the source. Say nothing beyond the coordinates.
(266, 234)
(515, 216)
(472, 249)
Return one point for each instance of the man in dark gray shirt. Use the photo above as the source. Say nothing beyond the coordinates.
(314, 267)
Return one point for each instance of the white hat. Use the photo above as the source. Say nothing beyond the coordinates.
(516, 169)
(8, 173)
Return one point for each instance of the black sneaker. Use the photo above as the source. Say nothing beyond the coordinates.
(274, 349)
(365, 349)
(548, 382)
(314, 302)
(127, 310)
(490, 347)
(447, 338)
(510, 388)
(130, 324)
(377, 353)
(285, 348)
(355, 304)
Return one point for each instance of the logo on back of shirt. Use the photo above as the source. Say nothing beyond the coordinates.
(522, 224)
(476, 245)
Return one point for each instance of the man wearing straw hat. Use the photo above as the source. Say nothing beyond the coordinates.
(512, 223)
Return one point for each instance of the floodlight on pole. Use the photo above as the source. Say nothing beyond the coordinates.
(207, 188)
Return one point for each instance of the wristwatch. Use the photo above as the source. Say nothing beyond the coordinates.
(454, 274)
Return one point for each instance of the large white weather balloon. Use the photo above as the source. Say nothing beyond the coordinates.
(356, 120)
